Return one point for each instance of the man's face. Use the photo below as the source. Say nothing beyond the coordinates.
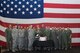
(67, 27)
(15, 26)
(10, 26)
(21, 27)
(42, 25)
(18, 27)
(31, 26)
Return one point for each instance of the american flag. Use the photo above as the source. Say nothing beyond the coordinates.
(56, 13)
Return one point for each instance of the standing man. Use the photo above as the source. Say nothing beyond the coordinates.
(31, 37)
(38, 32)
(14, 39)
(26, 38)
(21, 38)
(42, 30)
(69, 35)
(59, 37)
(48, 32)
(64, 39)
(8, 33)
(54, 38)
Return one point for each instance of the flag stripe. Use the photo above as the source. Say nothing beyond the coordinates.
(74, 30)
(41, 20)
(2, 28)
(2, 33)
(2, 38)
(75, 35)
(61, 15)
(75, 40)
(57, 5)
(3, 43)
(62, 10)
(63, 1)
(70, 25)
(75, 44)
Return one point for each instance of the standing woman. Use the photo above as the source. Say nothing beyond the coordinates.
(8, 33)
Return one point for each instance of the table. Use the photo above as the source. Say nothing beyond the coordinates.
(43, 44)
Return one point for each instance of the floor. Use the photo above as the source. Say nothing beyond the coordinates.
(72, 50)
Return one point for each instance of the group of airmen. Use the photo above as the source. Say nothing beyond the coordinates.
(19, 38)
